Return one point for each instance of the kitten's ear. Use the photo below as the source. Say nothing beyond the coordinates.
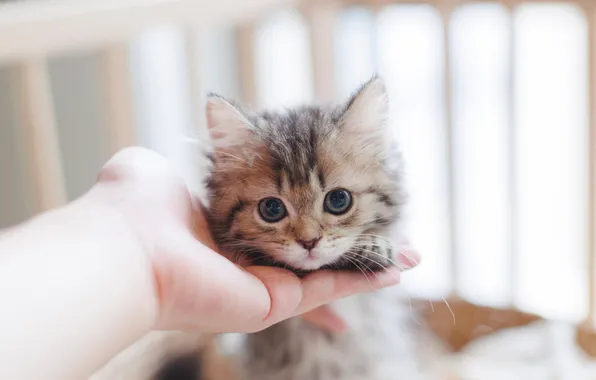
(227, 125)
(367, 111)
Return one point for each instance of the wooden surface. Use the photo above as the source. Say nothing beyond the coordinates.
(463, 322)
(321, 19)
(118, 96)
(245, 45)
(40, 133)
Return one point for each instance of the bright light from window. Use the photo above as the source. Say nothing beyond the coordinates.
(410, 46)
(283, 61)
(481, 77)
(551, 139)
(354, 56)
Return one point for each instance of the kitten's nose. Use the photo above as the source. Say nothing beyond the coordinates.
(308, 244)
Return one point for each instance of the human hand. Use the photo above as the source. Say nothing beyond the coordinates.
(195, 287)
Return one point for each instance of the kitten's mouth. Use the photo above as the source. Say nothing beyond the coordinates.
(342, 263)
(264, 260)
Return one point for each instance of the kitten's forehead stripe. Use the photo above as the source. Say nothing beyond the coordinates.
(292, 142)
(239, 206)
(277, 168)
(382, 197)
(382, 221)
(321, 177)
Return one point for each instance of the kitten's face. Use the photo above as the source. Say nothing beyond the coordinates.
(306, 188)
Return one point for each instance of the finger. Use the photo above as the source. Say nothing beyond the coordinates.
(290, 296)
(322, 287)
(408, 258)
(285, 294)
(325, 318)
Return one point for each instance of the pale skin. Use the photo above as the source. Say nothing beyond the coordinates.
(80, 283)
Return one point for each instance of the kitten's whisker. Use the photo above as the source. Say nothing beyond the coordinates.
(390, 243)
(366, 266)
(376, 262)
(360, 269)
(357, 254)
(391, 261)
(405, 252)
(449, 307)
(409, 256)
(412, 312)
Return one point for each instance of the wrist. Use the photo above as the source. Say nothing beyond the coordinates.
(87, 277)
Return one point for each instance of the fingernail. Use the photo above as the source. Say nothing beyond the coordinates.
(408, 259)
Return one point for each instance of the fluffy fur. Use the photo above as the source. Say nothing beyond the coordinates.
(299, 156)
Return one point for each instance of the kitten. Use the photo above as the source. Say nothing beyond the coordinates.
(307, 189)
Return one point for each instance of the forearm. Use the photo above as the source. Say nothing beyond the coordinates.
(75, 289)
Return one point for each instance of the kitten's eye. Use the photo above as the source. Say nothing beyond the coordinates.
(338, 201)
(272, 210)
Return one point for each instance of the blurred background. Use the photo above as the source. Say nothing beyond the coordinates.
(492, 102)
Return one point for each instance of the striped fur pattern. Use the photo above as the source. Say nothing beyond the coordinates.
(298, 156)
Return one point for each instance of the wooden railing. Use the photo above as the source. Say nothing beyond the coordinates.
(31, 31)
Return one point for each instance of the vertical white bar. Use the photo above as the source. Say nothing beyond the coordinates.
(161, 96)
(39, 126)
(480, 151)
(283, 61)
(513, 230)
(410, 47)
(354, 49)
(446, 10)
(198, 136)
(214, 66)
(118, 96)
(194, 49)
(321, 20)
(591, 268)
(218, 61)
(552, 158)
